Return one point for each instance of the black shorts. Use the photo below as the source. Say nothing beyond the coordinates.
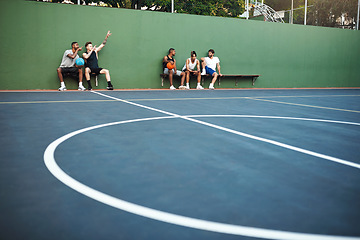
(69, 71)
(95, 70)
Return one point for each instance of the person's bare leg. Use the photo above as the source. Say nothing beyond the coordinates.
(87, 76)
(171, 77)
(182, 78)
(80, 75)
(60, 75)
(62, 83)
(107, 76)
(215, 75)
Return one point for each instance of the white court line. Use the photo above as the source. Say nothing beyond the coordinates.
(302, 105)
(51, 164)
(283, 145)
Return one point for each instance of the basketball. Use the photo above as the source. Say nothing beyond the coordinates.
(170, 65)
(79, 62)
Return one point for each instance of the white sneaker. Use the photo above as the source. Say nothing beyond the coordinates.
(63, 88)
(187, 88)
(182, 87)
(199, 87)
(203, 72)
(211, 87)
(81, 88)
(172, 87)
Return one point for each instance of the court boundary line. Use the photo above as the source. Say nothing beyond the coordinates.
(192, 98)
(51, 164)
(297, 149)
(303, 105)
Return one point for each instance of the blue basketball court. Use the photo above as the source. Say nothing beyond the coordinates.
(223, 164)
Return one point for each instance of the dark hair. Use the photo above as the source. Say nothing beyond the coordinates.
(212, 51)
(87, 43)
(73, 43)
(193, 53)
(171, 50)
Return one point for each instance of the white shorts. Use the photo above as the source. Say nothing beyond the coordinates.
(166, 71)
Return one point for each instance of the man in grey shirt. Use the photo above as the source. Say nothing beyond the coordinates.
(69, 67)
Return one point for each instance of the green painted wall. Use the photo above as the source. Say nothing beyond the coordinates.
(34, 36)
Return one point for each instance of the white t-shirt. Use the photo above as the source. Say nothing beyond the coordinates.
(66, 61)
(192, 66)
(211, 63)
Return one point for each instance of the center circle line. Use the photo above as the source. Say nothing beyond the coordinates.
(50, 162)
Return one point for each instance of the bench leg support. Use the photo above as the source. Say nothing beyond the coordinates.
(254, 80)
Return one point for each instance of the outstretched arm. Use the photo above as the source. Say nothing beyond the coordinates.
(104, 42)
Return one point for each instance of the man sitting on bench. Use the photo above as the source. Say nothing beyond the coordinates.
(91, 57)
(170, 59)
(69, 67)
(209, 65)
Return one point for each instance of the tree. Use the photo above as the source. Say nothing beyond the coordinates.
(327, 12)
(224, 8)
(322, 13)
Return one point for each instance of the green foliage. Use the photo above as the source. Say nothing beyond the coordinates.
(322, 13)
(223, 8)
(326, 12)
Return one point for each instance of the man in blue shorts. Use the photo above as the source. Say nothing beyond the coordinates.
(91, 66)
(209, 65)
(69, 68)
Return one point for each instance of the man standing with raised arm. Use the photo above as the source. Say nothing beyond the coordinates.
(91, 66)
